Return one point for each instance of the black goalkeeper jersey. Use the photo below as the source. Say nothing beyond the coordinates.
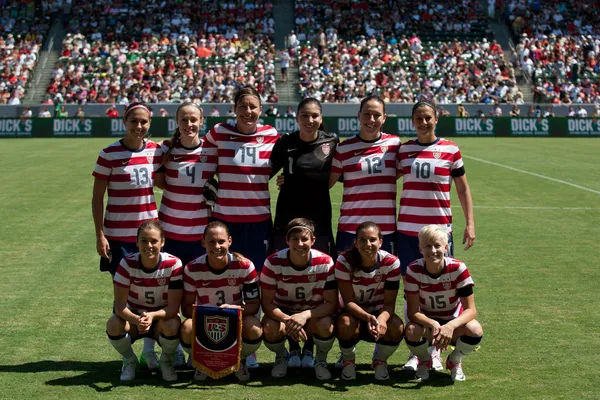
(305, 191)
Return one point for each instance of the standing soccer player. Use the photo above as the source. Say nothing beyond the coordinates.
(222, 279)
(368, 278)
(126, 169)
(148, 286)
(429, 166)
(299, 298)
(367, 163)
(441, 304)
(244, 167)
(305, 157)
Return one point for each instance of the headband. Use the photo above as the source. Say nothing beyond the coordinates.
(300, 227)
(136, 106)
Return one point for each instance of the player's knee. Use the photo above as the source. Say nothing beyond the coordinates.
(169, 327)
(271, 329)
(115, 326)
(413, 332)
(187, 331)
(323, 327)
(395, 329)
(346, 327)
(251, 328)
(474, 328)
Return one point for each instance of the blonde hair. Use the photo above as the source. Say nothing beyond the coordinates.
(429, 233)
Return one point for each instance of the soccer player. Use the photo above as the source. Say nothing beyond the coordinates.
(441, 304)
(148, 287)
(368, 279)
(223, 279)
(243, 200)
(188, 163)
(126, 169)
(429, 165)
(305, 157)
(299, 298)
(367, 163)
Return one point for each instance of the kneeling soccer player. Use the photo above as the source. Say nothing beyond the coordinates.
(368, 279)
(299, 298)
(148, 293)
(223, 279)
(441, 304)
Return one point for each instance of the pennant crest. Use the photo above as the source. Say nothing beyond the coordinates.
(216, 328)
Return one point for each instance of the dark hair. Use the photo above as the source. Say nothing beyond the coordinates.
(216, 225)
(150, 224)
(299, 224)
(312, 100)
(135, 104)
(352, 255)
(246, 91)
(369, 98)
(177, 135)
(424, 103)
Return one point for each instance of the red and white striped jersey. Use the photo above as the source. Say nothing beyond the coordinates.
(244, 169)
(183, 210)
(130, 176)
(426, 184)
(369, 171)
(298, 290)
(369, 285)
(438, 296)
(214, 288)
(148, 289)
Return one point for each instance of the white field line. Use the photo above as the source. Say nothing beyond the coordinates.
(534, 174)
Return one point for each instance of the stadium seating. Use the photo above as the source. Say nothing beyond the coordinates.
(358, 49)
(169, 51)
(22, 30)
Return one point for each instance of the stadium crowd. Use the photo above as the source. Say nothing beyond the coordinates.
(166, 51)
(22, 31)
(558, 48)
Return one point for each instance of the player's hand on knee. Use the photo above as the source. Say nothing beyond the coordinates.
(373, 325)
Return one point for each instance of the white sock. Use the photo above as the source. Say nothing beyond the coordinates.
(421, 350)
(168, 345)
(249, 348)
(123, 346)
(461, 350)
(407, 321)
(348, 354)
(277, 348)
(384, 351)
(148, 345)
(323, 346)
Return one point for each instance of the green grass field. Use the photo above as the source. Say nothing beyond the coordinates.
(534, 263)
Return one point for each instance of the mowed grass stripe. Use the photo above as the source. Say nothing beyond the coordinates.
(535, 275)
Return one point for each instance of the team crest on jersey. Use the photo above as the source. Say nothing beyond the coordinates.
(162, 281)
(260, 139)
(437, 153)
(383, 148)
(150, 159)
(312, 277)
(446, 283)
(203, 159)
(378, 278)
(231, 281)
(326, 149)
(216, 327)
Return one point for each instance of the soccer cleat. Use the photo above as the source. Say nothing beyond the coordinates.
(436, 360)
(411, 364)
(149, 360)
(308, 360)
(381, 370)
(423, 370)
(321, 371)
(243, 374)
(199, 376)
(167, 368)
(294, 359)
(456, 372)
(280, 368)
(128, 369)
(340, 361)
(251, 362)
(349, 370)
(179, 360)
